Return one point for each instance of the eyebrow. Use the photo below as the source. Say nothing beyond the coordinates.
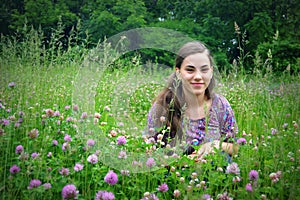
(192, 66)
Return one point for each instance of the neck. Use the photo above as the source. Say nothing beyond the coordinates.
(196, 100)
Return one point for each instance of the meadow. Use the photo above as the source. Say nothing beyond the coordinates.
(71, 133)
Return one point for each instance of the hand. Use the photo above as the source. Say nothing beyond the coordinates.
(207, 148)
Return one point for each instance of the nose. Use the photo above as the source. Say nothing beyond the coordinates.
(198, 75)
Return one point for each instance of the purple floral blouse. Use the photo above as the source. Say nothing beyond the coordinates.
(219, 125)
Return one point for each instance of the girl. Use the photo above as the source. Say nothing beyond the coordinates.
(188, 110)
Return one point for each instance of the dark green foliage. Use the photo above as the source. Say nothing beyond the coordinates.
(285, 55)
(211, 21)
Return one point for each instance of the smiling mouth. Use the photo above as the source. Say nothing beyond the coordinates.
(197, 84)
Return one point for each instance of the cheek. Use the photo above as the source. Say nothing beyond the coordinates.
(186, 76)
(208, 77)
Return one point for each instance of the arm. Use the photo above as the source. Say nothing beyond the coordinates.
(228, 131)
(230, 148)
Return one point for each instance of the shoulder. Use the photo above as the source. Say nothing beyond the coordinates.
(219, 99)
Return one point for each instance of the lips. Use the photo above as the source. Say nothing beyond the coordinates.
(197, 84)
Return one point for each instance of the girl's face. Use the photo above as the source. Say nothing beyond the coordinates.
(196, 72)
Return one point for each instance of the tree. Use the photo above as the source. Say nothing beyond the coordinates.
(44, 13)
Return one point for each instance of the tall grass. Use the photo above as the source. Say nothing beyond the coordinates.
(36, 80)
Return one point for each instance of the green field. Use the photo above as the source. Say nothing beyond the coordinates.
(41, 89)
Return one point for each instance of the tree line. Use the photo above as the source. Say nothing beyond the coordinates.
(235, 30)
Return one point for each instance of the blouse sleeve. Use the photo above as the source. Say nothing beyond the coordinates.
(154, 119)
(228, 124)
(151, 117)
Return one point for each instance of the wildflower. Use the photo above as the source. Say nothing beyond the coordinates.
(14, 169)
(104, 195)
(67, 138)
(34, 155)
(49, 112)
(236, 179)
(249, 187)
(237, 28)
(242, 141)
(19, 149)
(69, 192)
(150, 141)
(194, 175)
(220, 169)
(160, 136)
(5, 122)
(285, 125)
(47, 186)
(49, 154)
(253, 175)
(295, 125)
(65, 146)
(11, 84)
(263, 196)
(202, 183)
(111, 178)
(97, 115)
(92, 159)
(78, 167)
(103, 123)
(176, 193)
(64, 171)
(75, 107)
(33, 133)
(122, 154)
(125, 172)
(233, 169)
(69, 119)
(24, 156)
(54, 142)
(84, 115)
(275, 176)
(151, 130)
(34, 184)
(56, 114)
(121, 140)
(67, 107)
(151, 196)
(223, 196)
(17, 125)
(113, 133)
(120, 124)
(163, 187)
(206, 196)
(162, 119)
(107, 108)
(146, 194)
(90, 142)
(273, 131)
(150, 162)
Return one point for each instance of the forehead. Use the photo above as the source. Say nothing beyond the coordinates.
(197, 60)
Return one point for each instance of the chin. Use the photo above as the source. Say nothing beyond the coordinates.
(197, 93)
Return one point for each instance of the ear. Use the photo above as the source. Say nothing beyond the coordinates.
(177, 69)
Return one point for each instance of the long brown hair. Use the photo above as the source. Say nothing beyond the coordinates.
(170, 103)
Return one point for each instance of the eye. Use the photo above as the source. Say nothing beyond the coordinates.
(204, 70)
(190, 69)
